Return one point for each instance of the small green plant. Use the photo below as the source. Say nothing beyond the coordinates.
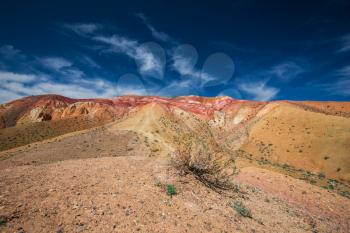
(241, 209)
(326, 158)
(345, 194)
(2, 220)
(171, 190)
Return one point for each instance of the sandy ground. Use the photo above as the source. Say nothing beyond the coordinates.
(104, 180)
(297, 193)
(126, 194)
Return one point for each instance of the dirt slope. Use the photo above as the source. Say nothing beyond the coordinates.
(303, 139)
(24, 134)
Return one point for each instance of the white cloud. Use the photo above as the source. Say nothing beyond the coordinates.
(178, 88)
(73, 73)
(155, 33)
(71, 90)
(255, 85)
(19, 88)
(15, 77)
(83, 28)
(61, 66)
(184, 66)
(69, 80)
(6, 96)
(147, 60)
(150, 60)
(345, 43)
(15, 85)
(119, 44)
(258, 90)
(55, 63)
(287, 71)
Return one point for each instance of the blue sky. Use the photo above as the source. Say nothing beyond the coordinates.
(257, 50)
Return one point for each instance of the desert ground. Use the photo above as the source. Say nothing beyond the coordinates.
(152, 165)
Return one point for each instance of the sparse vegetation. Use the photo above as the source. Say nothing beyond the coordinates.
(171, 190)
(344, 193)
(241, 209)
(317, 179)
(207, 168)
(2, 220)
(199, 154)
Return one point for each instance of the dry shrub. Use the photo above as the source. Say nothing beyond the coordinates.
(212, 167)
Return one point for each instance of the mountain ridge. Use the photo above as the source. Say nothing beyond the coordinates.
(12, 112)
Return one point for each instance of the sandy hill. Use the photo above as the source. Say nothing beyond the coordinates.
(309, 140)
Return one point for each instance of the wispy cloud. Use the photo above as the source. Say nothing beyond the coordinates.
(62, 66)
(82, 29)
(287, 71)
(9, 52)
(86, 60)
(149, 57)
(6, 96)
(258, 85)
(15, 77)
(159, 35)
(55, 63)
(344, 43)
(342, 84)
(344, 72)
(177, 88)
(10, 58)
(49, 75)
(259, 90)
(145, 57)
(340, 87)
(185, 67)
(16, 85)
(149, 62)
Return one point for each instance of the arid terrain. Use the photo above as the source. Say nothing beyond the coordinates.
(184, 164)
